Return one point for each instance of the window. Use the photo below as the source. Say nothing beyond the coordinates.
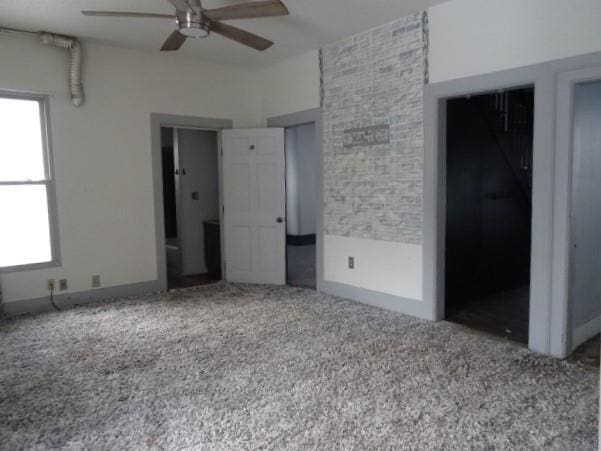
(27, 232)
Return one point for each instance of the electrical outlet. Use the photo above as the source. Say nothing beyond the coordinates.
(95, 281)
(51, 284)
(351, 263)
(62, 284)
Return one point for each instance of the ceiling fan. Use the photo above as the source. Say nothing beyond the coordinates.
(193, 21)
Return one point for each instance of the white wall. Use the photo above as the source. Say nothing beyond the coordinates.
(289, 86)
(102, 151)
(392, 268)
(467, 37)
(292, 185)
(197, 153)
(471, 37)
(301, 180)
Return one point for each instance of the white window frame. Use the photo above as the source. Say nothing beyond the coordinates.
(48, 182)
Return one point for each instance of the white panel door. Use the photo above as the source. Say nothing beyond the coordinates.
(254, 206)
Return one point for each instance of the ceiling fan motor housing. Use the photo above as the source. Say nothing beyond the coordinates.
(192, 25)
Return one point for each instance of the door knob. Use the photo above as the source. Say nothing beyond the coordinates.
(280, 220)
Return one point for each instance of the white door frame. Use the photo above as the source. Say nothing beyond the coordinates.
(548, 307)
(157, 121)
(306, 117)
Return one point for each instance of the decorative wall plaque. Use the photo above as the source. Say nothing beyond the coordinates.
(367, 136)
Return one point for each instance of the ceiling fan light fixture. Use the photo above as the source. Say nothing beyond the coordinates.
(193, 21)
(191, 26)
(194, 31)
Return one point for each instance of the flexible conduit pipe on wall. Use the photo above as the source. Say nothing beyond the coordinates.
(76, 64)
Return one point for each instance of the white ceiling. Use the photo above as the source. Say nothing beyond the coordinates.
(311, 24)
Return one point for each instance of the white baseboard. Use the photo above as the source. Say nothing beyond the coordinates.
(386, 301)
(41, 305)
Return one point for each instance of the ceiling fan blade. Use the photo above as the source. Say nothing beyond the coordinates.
(127, 14)
(250, 10)
(181, 5)
(173, 42)
(241, 36)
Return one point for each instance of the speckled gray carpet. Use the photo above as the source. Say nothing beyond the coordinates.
(300, 262)
(240, 367)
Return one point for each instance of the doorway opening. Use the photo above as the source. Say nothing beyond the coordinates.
(191, 206)
(301, 205)
(489, 211)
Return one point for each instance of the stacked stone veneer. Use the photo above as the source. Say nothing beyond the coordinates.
(374, 81)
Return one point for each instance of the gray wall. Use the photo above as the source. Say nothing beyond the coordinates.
(585, 269)
(197, 152)
(373, 189)
(301, 180)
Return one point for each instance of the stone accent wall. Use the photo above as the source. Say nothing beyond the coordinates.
(373, 84)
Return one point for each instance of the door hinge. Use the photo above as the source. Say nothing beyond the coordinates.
(223, 210)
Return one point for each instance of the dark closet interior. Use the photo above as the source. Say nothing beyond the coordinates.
(489, 211)
(169, 197)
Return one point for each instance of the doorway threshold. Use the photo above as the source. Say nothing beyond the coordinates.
(502, 314)
(179, 282)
